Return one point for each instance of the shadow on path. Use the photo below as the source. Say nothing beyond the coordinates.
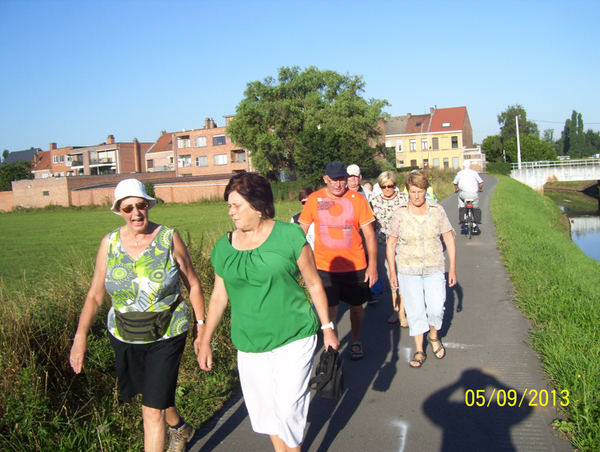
(476, 428)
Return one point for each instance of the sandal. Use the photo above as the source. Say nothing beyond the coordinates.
(404, 323)
(417, 360)
(441, 348)
(355, 355)
(393, 318)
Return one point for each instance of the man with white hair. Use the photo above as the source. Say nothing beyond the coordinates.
(468, 184)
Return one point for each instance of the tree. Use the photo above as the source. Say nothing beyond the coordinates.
(508, 124)
(18, 170)
(533, 148)
(492, 146)
(4, 155)
(305, 119)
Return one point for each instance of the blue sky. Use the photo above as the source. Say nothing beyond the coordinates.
(75, 71)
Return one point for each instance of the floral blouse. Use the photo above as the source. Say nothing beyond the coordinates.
(383, 210)
(420, 249)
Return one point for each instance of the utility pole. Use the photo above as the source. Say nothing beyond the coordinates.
(518, 143)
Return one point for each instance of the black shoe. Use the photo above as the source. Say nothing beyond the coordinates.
(476, 230)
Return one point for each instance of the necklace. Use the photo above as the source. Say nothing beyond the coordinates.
(135, 240)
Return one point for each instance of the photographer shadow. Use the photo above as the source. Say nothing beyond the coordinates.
(467, 426)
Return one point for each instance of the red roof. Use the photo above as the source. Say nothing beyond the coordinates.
(418, 124)
(163, 144)
(445, 119)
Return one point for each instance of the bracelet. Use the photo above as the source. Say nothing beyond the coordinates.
(200, 322)
(329, 325)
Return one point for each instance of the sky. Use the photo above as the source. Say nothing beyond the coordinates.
(74, 71)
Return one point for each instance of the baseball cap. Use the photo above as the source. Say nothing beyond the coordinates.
(131, 187)
(335, 169)
(353, 170)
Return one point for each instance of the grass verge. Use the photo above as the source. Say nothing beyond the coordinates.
(558, 288)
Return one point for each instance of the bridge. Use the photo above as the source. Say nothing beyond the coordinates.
(536, 174)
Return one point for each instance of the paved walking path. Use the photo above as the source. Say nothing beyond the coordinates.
(388, 406)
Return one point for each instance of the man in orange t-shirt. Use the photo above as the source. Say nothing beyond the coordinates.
(338, 215)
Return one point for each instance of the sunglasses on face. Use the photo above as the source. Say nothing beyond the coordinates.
(140, 206)
(387, 186)
(303, 202)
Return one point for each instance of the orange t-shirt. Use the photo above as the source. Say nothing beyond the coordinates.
(338, 244)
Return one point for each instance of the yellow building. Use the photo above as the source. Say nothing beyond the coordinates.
(441, 139)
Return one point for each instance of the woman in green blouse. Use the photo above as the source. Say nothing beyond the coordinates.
(273, 324)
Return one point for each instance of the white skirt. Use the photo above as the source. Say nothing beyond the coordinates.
(275, 389)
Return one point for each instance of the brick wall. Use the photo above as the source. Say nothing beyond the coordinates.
(40, 192)
(6, 200)
(190, 192)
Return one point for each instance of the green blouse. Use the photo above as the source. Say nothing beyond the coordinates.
(269, 309)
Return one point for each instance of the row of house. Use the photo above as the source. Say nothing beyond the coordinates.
(442, 139)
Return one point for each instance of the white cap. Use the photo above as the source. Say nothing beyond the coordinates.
(466, 164)
(131, 188)
(353, 170)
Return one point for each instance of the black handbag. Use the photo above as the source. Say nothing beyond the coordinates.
(329, 379)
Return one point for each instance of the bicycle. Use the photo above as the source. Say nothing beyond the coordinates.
(470, 216)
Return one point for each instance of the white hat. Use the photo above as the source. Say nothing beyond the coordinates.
(466, 164)
(131, 187)
(353, 170)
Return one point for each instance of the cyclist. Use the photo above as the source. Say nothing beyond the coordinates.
(468, 183)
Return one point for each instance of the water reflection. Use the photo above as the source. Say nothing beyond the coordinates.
(584, 215)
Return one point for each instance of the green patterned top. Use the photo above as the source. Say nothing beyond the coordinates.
(148, 284)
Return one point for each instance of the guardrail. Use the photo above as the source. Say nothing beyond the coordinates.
(556, 163)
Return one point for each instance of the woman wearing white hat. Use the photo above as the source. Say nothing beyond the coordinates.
(141, 265)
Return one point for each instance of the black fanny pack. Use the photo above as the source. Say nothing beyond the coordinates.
(144, 326)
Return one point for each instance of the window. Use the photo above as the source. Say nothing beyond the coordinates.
(150, 164)
(413, 163)
(455, 164)
(454, 142)
(58, 159)
(413, 145)
(418, 124)
(436, 163)
(221, 159)
(446, 164)
(425, 163)
(45, 193)
(184, 161)
(445, 124)
(399, 145)
(400, 163)
(388, 144)
(202, 161)
(435, 142)
(219, 140)
(199, 142)
(183, 142)
(424, 144)
(240, 157)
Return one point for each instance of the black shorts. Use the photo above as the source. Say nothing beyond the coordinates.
(149, 369)
(349, 287)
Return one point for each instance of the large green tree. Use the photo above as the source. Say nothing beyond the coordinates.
(508, 123)
(492, 146)
(304, 119)
(10, 172)
(533, 149)
(575, 142)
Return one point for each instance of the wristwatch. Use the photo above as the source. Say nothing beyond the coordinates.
(329, 325)
(200, 322)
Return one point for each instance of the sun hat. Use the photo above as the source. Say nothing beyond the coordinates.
(353, 170)
(131, 187)
(466, 164)
(336, 169)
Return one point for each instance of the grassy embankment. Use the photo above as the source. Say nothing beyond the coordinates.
(558, 288)
(46, 267)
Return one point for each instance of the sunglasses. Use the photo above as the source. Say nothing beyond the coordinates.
(303, 202)
(140, 206)
(387, 186)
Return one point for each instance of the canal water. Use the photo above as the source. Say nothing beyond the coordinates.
(584, 215)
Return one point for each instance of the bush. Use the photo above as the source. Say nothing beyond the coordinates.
(499, 168)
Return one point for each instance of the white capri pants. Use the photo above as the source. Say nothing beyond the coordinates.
(275, 388)
(424, 297)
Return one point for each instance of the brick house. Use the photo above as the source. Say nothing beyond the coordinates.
(209, 150)
(442, 139)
